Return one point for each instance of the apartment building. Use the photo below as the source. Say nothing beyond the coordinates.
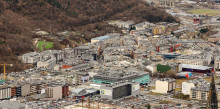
(65, 90)
(200, 93)
(54, 92)
(31, 58)
(165, 85)
(25, 89)
(188, 85)
(214, 39)
(167, 3)
(48, 61)
(5, 92)
(217, 63)
(33, 89)
(13, 91)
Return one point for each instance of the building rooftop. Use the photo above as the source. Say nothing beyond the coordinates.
(101, 37)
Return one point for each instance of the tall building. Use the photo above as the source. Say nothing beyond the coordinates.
(165, 85)
(5, 92)
(54, 92)
(213, 101)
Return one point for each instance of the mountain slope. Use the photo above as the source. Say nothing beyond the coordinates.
(18, 18)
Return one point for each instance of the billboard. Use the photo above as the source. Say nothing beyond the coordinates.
(105, 92)
(135, 87)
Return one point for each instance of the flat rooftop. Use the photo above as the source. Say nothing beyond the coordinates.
(101, 37)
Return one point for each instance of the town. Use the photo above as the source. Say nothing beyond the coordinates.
(146, 66)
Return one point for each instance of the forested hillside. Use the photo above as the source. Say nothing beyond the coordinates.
(18, 18)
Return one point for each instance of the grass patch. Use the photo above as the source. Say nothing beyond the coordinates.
(181, 96)
(210, 12)
(49, 45)
(153, 87)
(40, 45)
(178, 89)
(210, 79)
(179, 81)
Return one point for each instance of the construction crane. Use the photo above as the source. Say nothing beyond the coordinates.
(4, 69)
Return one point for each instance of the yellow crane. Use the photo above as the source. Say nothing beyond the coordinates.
(4, 69)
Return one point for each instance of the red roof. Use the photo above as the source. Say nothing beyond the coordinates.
(65, 66)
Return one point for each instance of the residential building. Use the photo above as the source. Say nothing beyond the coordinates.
(5, 92)
(187, 85)
(65, 90)
(167, 3)
(13, 91)
(213, 39)
(54, 92)
(25, 89)
(31, 58)
(199, 93)
(48, 61)
(78, 51)
(18, 91)
(80, 77)
(33, 89)
(165, 85)
(217, 64)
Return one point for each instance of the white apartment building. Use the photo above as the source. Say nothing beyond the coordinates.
(217, 63)
(165, 85)
(31, 57)
(48, 63)
(199, 93)
(186, 87)
(5, 92)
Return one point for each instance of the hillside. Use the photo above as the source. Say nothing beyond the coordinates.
(18, 18)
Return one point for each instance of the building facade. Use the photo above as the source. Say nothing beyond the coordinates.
(186, 87)
(165, 85)
(199, 93)
(5, 93)
(119, 90)
(54, 92)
